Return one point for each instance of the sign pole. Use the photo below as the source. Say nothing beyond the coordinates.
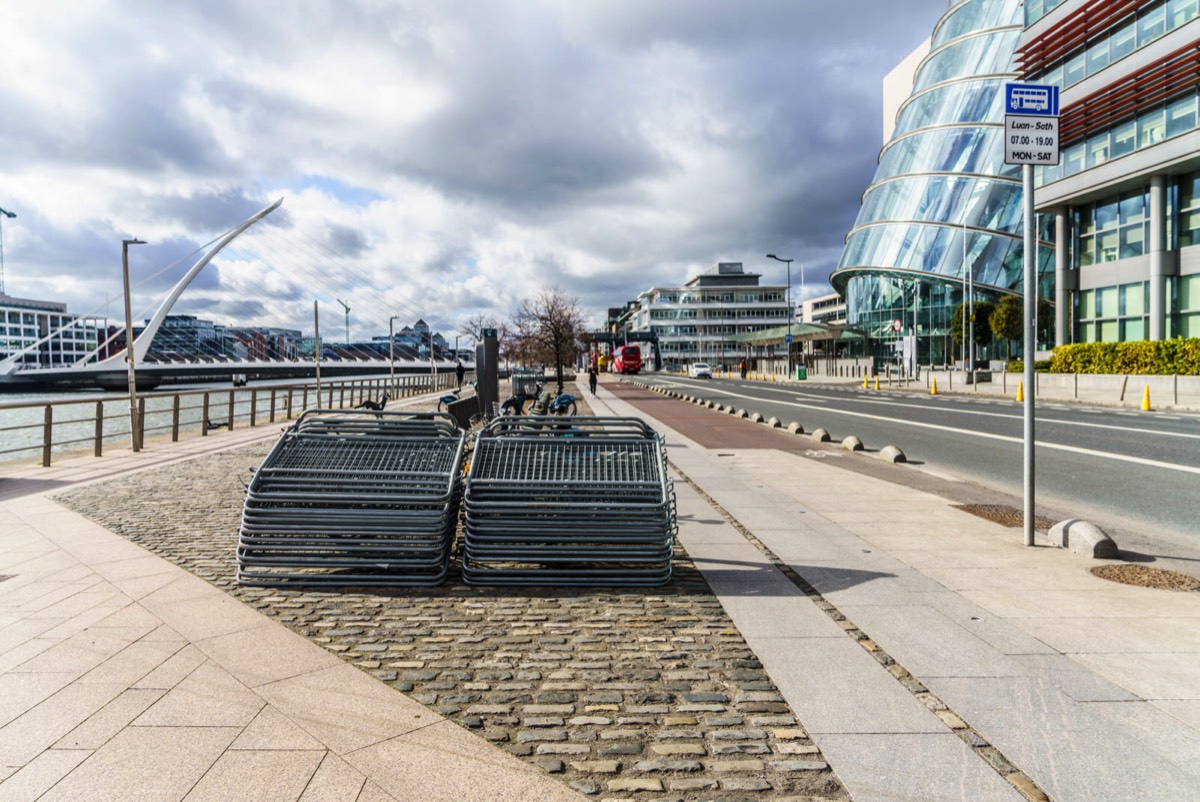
(1030, 137)
(1031, 288)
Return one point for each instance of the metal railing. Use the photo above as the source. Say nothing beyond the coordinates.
(55, 427)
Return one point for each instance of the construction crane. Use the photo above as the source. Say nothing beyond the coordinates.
(10, 215)
(346, 306)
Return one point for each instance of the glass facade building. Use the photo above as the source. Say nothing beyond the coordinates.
(942, 201)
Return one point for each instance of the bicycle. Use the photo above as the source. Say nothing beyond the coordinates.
(449, 398)
(539, 403)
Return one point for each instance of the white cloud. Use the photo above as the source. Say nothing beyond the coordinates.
(436, 156)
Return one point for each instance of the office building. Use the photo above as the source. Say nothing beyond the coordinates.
(24, 322)
(942, 202)
(693, 323)
(1125, 197)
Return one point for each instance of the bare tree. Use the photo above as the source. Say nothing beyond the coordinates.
(474, 325)
(546, 329)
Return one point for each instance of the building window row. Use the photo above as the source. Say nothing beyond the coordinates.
(1132, 33)
(1121, 313)
(1152, 126)
(1118, 227)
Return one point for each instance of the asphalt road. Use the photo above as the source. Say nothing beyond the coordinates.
(1134, 471)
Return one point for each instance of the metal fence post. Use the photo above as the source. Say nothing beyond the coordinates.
(141, 423)
(175, 419)
(253, 407)
(231, 402)
(99, 445)
(204, 418)
(272, 420)
(47, 435)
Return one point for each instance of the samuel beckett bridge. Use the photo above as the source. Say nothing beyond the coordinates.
(245, 281)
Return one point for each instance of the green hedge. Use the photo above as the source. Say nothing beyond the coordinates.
(1018, 366)
(1161, 357)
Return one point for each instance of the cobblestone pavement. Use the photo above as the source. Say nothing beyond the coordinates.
(623, 694)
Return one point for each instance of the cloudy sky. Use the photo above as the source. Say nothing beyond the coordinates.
(436, 157)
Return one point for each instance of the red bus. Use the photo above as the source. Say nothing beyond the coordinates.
(627, 359)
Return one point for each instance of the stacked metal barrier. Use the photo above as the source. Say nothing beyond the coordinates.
(354, 499)
(556, 500)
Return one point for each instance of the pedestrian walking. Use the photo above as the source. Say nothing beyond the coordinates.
(592, 379)
(742, 366)
(459, 372)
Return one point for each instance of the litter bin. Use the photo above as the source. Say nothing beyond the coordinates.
(802, 372)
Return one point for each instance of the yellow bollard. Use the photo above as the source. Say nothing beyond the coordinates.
(864, 381)
(772, 376)
(876, 381)
(1020, 392)
(1146, 400)
(933, 390)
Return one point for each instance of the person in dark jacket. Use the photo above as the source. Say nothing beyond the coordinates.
(459, 372)
(592, 379)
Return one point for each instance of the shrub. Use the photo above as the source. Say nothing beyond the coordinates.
(1138, 357)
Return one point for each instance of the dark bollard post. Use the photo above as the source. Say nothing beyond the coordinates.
(272, 420)
(99, 445)
(175, 419)
(253, 408)
(204, 417)
(141, 423)
(231, 403)
(47, 435)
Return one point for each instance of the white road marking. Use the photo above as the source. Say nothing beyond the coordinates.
(1004, 438)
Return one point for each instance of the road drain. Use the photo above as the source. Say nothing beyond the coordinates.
(1005, 515)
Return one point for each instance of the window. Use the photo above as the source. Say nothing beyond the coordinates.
(1097, 55)
(1075, 68)
(1180, 12)
(1123, 138)
(1133, 299)
(1072, 158)
(1123, 40)
(1054, 75)
(1097, 149)
(1151, 125)
(1181, 115)
(1152, 24)
(1189, 210)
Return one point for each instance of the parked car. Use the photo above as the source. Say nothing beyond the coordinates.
(700, 370)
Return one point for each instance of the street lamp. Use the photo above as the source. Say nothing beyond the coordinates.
(789, 305)
(135, 431)
(10, 215)
(392, 350)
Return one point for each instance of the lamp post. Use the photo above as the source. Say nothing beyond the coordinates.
(392, 351)
(135, 430)
(10, 215)
(789, 306)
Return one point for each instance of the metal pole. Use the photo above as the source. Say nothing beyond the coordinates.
(3, 214)
(317, 347)
(971, 316)
(135, 439)
(964, 293)
(790, 311)
(916, 350)
(392, 353)
(1031, 290)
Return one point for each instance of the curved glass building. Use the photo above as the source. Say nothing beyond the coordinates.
(942, 200)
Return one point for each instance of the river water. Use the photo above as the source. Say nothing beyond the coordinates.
(23, 415)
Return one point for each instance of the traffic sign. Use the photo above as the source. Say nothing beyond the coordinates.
(1031, 100)
(1030, 124)
(897, 325)
(788, 339)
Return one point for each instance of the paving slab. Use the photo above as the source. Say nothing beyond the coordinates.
(942, 769)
